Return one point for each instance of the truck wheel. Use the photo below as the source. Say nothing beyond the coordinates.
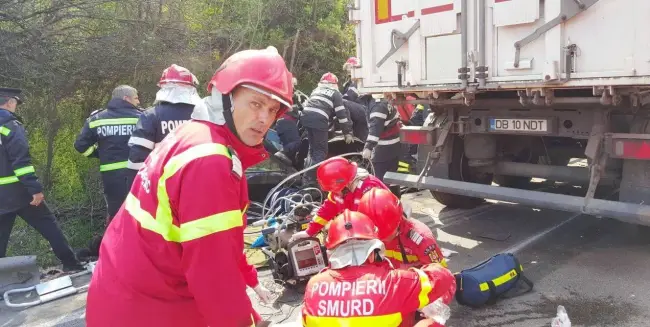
(460, 171)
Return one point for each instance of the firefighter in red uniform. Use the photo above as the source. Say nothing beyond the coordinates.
(360, 288)
(409, 242)
(346, 183)
(174, 254)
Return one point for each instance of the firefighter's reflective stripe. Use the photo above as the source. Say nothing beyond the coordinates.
(425, 288)
(8, 180)
(501, 279)
(319, 220)
(398, 256)
(113, 166)
(5, 131)
(389, 320)
(18, 172)
(24, 171)
(113, 121)
(403, 167)
(163, 222)
(141, 141)
(90, 150)
(187, 231)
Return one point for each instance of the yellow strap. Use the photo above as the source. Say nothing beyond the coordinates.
(24, 171)
(113, 121)
(329, 197)
(389, 320)
(319, 220)
(398, 256)
(501, 279)
(90, 150)
(425, 288)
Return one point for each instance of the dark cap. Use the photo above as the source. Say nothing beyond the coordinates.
(11, 93)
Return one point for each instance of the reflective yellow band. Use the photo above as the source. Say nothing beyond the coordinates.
(5, 131)
(113, 121)
(403, 164)
(24, 171)
(419, 107)
(402, 170)
(113, 166)
(501, 279)
(8, 180)
(389, 320)
(187, 231)
(319, 220)
(443, 262)
(425, 288)
(398, 256)
(164, 211)
(90, 150)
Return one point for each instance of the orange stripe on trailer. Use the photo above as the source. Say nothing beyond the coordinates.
(497, 1)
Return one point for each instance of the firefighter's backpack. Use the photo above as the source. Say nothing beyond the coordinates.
(495, 278)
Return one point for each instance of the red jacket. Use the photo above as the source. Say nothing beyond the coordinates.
(419, 246)
(174, 254)
(336, 203)
(373, 295)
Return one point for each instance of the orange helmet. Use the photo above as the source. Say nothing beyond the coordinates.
(329, 78)
(179, 75)
(348, 226)
(261, 70)
(385, 210)
(335, 174)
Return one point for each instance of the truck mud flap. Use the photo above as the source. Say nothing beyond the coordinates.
(626, 212)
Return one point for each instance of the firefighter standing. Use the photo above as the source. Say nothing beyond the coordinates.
(409, 242)
(174, 254)
(21, 193)
(105, 136)
(173, 106)
(324, 102)
(360, 288)
(346, 184)
(383, 145)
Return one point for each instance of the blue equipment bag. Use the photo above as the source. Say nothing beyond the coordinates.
(490, 280)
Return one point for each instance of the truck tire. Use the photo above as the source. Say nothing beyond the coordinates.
(460, 171)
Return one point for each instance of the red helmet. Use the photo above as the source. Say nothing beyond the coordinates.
(350, 225)
(351, 62)
(335, 174)
(329, 78)
(179, 75)
(261, 70)
(385, 210)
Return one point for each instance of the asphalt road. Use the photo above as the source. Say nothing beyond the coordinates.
(597, 268)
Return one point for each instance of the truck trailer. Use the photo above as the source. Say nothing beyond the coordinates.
(517, 88)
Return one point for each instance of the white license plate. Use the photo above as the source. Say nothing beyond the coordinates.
(518, 125)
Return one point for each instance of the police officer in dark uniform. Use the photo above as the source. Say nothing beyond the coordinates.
(20, 191)
(105, 135)
(174, 105)
(324, 102)
(383, 145)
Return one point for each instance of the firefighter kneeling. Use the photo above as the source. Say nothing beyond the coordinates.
(360, 287)
(409, 242)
